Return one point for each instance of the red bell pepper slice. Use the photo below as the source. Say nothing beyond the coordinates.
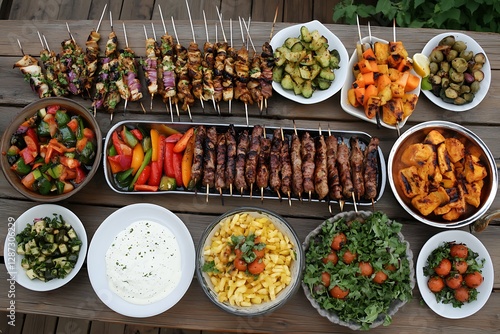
(168, 163)
(31, 133)
(137, 134)
(88, 133)
(119, 162)
(28, 155)
(144, 176)
(156, 172)
(144, 187)
(174, 138)
(73, 125)
(177, 161)
(120, 146)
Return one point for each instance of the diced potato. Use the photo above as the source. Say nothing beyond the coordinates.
(455, 149)
(381, 52)
(472, 193)
(410, 182)
(474, 169)
(434, 138)
(417, 154)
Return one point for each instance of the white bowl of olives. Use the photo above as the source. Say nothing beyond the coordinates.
(460, 71)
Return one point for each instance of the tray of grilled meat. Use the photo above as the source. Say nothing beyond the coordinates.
(249, 161)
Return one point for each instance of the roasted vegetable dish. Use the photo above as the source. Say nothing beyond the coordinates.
(454, 273)
(50, 247)
(53, 151)
(456, 73)
(442, 176)
(356, 269)
(304, 63)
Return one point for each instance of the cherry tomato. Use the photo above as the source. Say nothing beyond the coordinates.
(380, 277)
(462, 294)
(339, 241)
(460, 266)
(443, 268)
(256, 267)
(365, 268)
(435, 284)
(260, 253)
(459, 250)
(338, 292)
(240, 264)
(473, 280)
(325, 278)
(332, 257)
(454, 281)
(349, 257)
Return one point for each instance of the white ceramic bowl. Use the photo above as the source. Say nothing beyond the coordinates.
(104, 237)
(473, 46)
(447, 310)
(417, 134)
(359, 112)
(296, 267)
(333, 42)
(13, 260)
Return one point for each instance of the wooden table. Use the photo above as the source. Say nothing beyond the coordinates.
(94, 203)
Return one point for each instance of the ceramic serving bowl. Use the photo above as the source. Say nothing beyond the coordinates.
(17, 127)
(471, 144)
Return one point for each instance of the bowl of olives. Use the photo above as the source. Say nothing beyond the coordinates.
(460, 72)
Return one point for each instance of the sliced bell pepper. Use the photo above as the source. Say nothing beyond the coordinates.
(162, 128)
(145, 175)
(120, 146)
(137, 158)
(174, 138)
(145, 187)
(31, 133)
(124, 178)
(128, 137)
(137, 134)
(156, 172)
(145, 162)
(177, 161)
(187, 162)
(168, 164)
(119, 162)
(73, 125)
(155, 136)
(80, 175)
(180, 146)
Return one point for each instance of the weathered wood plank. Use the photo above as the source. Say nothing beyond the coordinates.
(298, 11)
(72, 325)
(12, 325)
(35, 10)
(178, 9)
(100, 327)
(115, 6)
(236, 8)
(41, 324)
(137, 10)
(140, 329)
(73, 10)
(264, 10)
(182, 331)
(323, 10)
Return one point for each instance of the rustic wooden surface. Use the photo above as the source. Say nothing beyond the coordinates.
(259, 10)
(93, 204)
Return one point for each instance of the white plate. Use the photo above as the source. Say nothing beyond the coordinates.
(104, 236)
(359, 112)
(447, 310)
(333, 42)
(473, 46)
(13, 260)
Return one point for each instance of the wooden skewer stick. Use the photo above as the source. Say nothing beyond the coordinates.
(46, 44)
(177, 39)
(274, 22)
(354, 201)
(243, 40)
(231, 40)
(126, 44)
(394, 38)
(69, 32)
(221, 24)
(377, 114)
(194, 41)
(111, 25)
(208, 40)
(169, 98)
(102, 15)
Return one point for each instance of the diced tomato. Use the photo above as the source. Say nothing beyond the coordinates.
(137, 134)
(120, 162)
(68, 187)
(51, 121)
(156, 172)
(88, 133)
(73, 124)
(144, 176)
(144, 187)
(80, 144)
(117, 143)
(31, 133)
(53, 108)
(80, 175)
(48, 153)
(28, 180)
(69, 162)
(28, 155)
(174, 138)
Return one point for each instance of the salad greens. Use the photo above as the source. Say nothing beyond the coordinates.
(374, 240)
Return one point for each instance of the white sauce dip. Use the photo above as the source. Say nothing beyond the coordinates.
(143, 264)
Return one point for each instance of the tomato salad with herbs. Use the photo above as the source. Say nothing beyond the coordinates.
(53, 151)
(454, 273)
(150, 160)
(357, 269)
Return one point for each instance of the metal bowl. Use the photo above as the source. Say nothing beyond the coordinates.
(73, 108)
(295, 267)
(417, 134)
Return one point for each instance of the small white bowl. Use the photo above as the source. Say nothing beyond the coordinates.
(13, 260)
(333, 42)
(473, 46)
(104, 237)
(473, 243)
(359, 112)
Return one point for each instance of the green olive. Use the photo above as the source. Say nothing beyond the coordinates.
(456, 76)
(445, 66)
(452, 54)
(459, 46)
(448, 40)
(436, 56)
(474, 87)
(434, 67)
(459, 64)
(467, 55)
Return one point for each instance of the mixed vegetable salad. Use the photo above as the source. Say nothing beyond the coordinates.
(357, 269)
(52, 151)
